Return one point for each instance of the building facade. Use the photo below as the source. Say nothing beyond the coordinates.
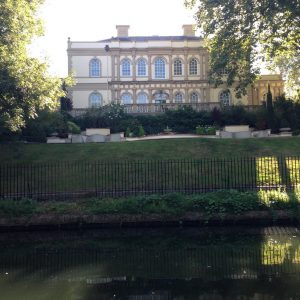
(143, 72)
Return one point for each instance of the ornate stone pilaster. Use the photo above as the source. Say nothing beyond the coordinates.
(134, 66)
(118, 67)
(185, 62)
(149, 67)
(170, 67)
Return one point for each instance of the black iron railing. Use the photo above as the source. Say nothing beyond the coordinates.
(115, 179)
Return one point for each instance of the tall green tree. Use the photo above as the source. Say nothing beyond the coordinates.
(25, 86)
(242, 33)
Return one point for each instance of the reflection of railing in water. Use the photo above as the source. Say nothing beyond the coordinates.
(211, 263)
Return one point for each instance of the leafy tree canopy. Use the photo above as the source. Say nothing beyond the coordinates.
(25, 86)
(241, 33)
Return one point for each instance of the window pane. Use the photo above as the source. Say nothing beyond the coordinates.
(126, 67)
(141, 67)
(95, 68)
(126, 98)
(177, 67)
(193, 67)
(225, 98)
(194, 97)
(95, 100)
(142, 98)
(160, 68)
(178, 98)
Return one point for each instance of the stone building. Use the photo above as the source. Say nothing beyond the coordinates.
(144, 72)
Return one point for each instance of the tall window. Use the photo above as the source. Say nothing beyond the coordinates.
(141, 67)
(178, 98)
(177, 67)
(224, 98)
(193, 66)
(126, 98)
(142, 98)
(224, 71)
(194, 97)
(94, 67)
(95, 100)
(126, 67)
(160, 68)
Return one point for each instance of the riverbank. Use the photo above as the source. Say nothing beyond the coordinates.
(228, 207)
(86, 221)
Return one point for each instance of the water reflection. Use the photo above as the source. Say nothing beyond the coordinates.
(152, 264)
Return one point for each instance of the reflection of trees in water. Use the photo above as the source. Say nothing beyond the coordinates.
(208, 265)
(210, 262)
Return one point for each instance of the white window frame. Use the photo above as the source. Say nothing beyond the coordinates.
(194, 97)
(95, 67)
(193, 66)
(91, 101)
(178, 98)
(142, 98)
(159, 68)
(177, 65)
(141, 69)
(128, 100)
(225, 101)
(126, 67)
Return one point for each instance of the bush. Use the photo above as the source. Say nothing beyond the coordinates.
(206, 130)
(141, 131)
(73, 128)
(127, 132)
(107, 116)
(296, 132)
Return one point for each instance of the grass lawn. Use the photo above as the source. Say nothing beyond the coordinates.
(147, 167)
(150, 150)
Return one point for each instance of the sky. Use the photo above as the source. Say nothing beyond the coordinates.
(92, 20)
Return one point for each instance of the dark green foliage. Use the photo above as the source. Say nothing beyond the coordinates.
(206, 130)
(152, 124)
(296, 132)
(73, 128)
(108, 116)
(237, 115)
(234, 30)
(141, 131)
(14, 208)
(25, 85)
(127, 132)
(220, 202)
(44, 125)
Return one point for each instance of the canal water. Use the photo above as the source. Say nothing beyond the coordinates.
(151, 264)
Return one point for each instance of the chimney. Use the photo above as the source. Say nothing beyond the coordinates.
(188, 30)
(122, 30)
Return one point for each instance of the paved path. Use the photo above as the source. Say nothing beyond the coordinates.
(171, 136)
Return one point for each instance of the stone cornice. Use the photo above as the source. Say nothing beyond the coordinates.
(159, 82)
(138, 51)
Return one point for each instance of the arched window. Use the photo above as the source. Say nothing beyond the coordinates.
(193, 66)
(194, 97)
(126, 98)
(126, 67)
(160, 68)
(95, 100)
(177, 67)
(224, 71)
(224, 98)
(94, 67)
(142, 67)
(142, 98)
(178, 98)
